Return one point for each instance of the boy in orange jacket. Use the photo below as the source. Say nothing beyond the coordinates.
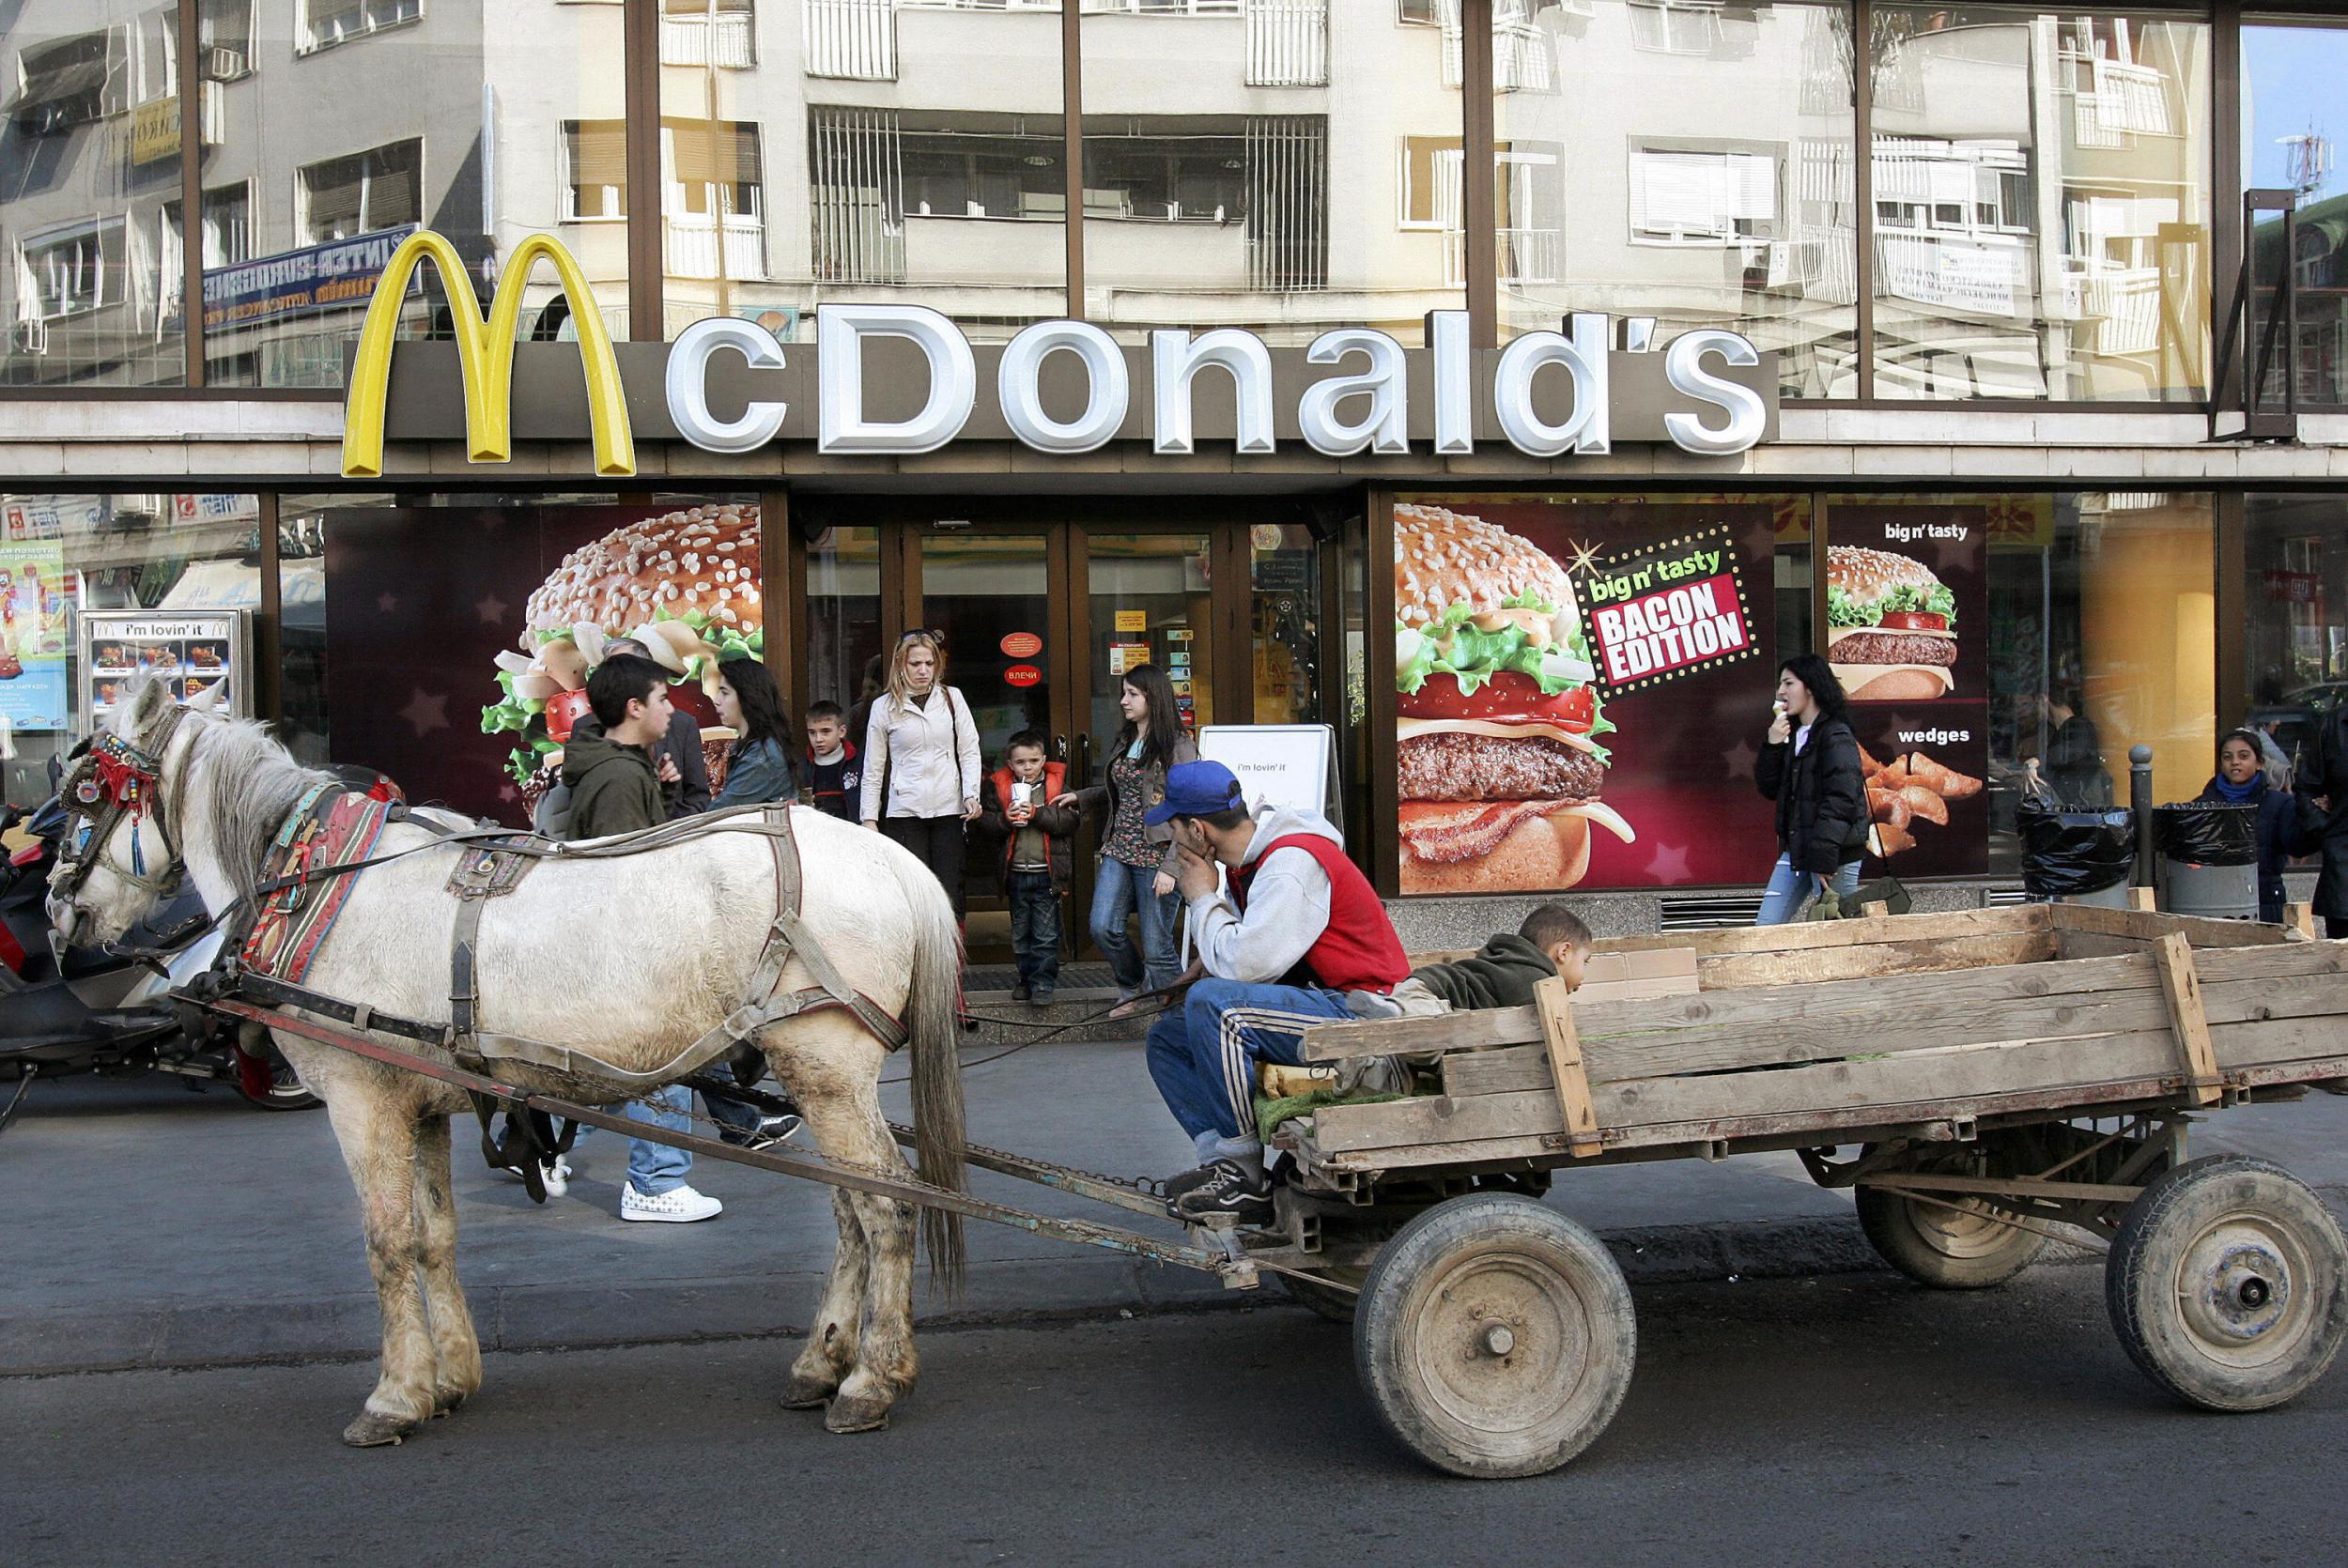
(1036, 857)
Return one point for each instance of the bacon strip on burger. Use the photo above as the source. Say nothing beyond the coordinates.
(1499, 767)
(1891, 626)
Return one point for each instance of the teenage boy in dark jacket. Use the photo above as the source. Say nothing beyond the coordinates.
(828, 771)
(609, 764)
(1035, 837)
(1552, 941)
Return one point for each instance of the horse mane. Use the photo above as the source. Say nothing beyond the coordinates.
(250, 783)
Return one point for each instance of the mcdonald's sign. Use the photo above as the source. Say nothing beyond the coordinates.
(485, 352)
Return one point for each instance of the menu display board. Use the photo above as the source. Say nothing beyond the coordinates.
(190, 651)
(1582, 688)
(1908, 614)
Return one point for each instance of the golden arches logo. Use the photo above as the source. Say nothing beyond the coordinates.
(485, 350)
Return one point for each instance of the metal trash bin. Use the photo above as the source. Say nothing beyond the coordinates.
(2207, 863)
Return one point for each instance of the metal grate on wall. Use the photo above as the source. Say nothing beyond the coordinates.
(1706, 912)
(1287, 201)
(856, 195)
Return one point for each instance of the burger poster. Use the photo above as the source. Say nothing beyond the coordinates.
(1582, 691)
(458, 641)
(1907, 594)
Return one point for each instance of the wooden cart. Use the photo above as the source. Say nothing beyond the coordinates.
(1982, 1080)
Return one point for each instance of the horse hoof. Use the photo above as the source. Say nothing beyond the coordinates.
(808, 1394)
(855, 1415)
(447, 1403)
(373, 1430)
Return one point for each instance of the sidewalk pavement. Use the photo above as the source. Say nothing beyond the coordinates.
(150, 1226)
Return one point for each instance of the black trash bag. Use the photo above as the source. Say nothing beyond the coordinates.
(2069, 852)
(2207, 833)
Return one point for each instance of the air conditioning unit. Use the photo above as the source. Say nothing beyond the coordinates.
(222, 64)
(31, 337)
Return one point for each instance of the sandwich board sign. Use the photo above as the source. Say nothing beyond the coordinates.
(1288, 765)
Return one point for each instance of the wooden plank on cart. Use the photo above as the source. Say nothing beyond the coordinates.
(2181, 988)
(2147, 926)
(1850, 961)
(2300, 919)
(1553, 1001)
(2143, 898)
(1835, 933)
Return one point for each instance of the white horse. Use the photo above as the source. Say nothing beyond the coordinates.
(629, 960)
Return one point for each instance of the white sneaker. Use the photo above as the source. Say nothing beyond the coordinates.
(679, 1206)
(556, 1177)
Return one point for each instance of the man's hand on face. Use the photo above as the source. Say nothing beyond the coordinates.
(1194, 874)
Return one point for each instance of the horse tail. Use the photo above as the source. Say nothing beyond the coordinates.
(933, 1022)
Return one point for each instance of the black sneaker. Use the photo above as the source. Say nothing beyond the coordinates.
(1232, 1189)
(1020, 992)
(1175, 1187)
(1041, 997)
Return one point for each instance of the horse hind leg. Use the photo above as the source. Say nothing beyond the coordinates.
(456, 1346)
(378, 1144)
(830, 1355)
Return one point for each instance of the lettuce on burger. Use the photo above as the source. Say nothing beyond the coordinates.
(1498, 756)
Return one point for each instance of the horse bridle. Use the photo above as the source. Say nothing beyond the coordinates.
(115, 779)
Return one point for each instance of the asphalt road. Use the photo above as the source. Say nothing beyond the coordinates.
(1855, 1419)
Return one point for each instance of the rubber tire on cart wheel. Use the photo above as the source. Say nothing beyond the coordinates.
(1943, 1248)
(2228, 1283)
(1328, 1300)
(1495, 1337)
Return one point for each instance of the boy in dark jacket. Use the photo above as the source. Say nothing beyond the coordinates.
(1552, 941)
(829, 772)
(1035, 837)
(609, 764)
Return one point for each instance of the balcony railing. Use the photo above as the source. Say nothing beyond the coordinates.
(851, 39)
(724, 40)
(2120, 307)
(1526, 256)
(1287, 43)
(704, 246)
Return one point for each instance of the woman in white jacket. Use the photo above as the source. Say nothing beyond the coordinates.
(922, 760)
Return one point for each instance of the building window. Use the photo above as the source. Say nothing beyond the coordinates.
(1684, 195)
(1430, 182)
(714, 214)
(1186, 178)
(157, 55)
(78, 271)
(224, 31)
(2290, 77)
(327, 23)
(360, 194)
(959, 167)
(1427, 14)
(72, 82)
(594, 170)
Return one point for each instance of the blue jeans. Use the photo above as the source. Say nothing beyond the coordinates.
(1034, 927)
(656, 1168)
(1790, 891)
(1203, 1055)
(1118, 890)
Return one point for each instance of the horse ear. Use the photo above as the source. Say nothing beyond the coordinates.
(143, 705)
(211, 697)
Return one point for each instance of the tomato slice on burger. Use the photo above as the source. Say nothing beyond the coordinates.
(1913, 620)
(1505, 698)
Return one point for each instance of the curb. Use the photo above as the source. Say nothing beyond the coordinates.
(174, 1334)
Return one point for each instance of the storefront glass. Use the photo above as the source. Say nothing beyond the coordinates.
(1150, 604)
(335, 129)
(2101, 635)
(1689, 162)
(2291, 83)
(816, 150)
(1284, 168)
(1284, 636)
(845, 662)
(64, 556)
(91, 286)
(429, 609)
(2042, 211)
(2295, 592)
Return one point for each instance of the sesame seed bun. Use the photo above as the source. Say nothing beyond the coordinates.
(1867, 575)
(702, 558)
(1446, 558)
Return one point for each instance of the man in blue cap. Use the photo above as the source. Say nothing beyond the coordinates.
(1299, 929)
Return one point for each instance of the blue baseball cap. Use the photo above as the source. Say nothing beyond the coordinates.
(1196, 789)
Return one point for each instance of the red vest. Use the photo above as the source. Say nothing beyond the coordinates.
(1357, 950)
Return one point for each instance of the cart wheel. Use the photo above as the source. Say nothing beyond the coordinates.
(1495, 1336)
(1330, 1302)
(1968, 1247)
(2229, 1283)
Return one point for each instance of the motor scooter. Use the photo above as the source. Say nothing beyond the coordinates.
(108, 1011)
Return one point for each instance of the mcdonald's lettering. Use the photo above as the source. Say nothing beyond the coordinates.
(902, 378)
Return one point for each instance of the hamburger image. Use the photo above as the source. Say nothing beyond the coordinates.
(1891, 626)
(1498, 718)
(684, 584)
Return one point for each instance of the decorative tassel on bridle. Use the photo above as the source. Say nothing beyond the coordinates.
(118, 776)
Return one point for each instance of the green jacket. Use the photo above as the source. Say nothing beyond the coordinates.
(1502, 975)
(613, 789)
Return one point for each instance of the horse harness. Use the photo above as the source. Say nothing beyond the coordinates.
(277, 929)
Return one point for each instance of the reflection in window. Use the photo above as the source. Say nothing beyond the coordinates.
(1706, 153)
(2295, 592)
(379, 189)
(594, 170)
(327, 23)
(2041, 203)
(714, 203)
(2290, 118)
